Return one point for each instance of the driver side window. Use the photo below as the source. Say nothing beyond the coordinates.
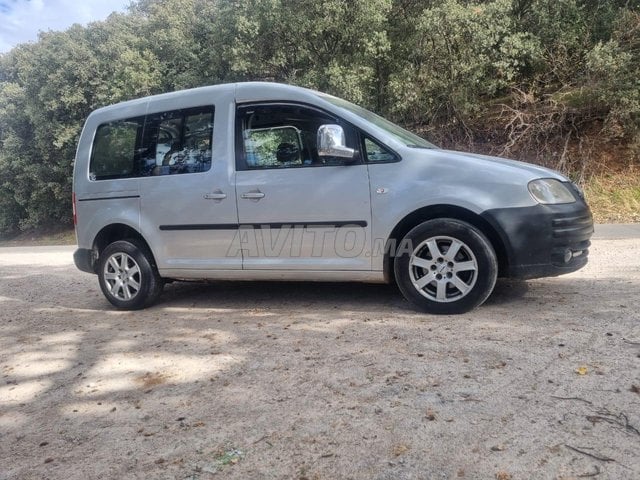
(273, 147)
(285, 136)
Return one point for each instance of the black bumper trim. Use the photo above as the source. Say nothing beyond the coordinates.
(538, 239)
(83, 258)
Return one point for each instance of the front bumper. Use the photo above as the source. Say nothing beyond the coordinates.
(544, 240)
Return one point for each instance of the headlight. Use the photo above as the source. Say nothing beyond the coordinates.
(550, 191)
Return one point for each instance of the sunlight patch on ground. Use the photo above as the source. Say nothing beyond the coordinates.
(44, 259)
(128, 371)
(90, 407)
(319, 323)
(190, 335)
(23, 392)
(105, 311)
(38, 363)
(31, 363)
(31, 356)
(12, 420)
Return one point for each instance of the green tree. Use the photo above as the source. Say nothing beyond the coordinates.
(532, 76)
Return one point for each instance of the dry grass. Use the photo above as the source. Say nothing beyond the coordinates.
(614, 197)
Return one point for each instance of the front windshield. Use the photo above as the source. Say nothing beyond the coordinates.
(399, 133)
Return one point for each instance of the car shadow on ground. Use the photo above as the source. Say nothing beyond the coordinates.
(255, 294)
(355, 296)
(352, 296)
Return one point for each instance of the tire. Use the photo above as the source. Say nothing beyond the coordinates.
(436, 282)
(128, 276)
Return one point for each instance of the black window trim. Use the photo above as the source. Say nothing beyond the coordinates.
(240, 154)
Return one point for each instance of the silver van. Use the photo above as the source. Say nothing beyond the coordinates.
(263, 181)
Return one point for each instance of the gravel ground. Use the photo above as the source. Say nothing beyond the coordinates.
(319, 381)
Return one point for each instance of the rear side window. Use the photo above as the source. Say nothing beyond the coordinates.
(165, 143)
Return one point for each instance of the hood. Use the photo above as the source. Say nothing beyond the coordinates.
(505, 165)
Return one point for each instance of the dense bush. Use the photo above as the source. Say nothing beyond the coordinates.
(534, 79)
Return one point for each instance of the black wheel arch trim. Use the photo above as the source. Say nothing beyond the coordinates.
(491, 230)
(114, 232)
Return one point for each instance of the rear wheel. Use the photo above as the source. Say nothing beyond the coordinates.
(446, 266)
(128, 276)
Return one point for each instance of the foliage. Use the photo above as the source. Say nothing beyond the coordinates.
(462, 53)
(534, 79)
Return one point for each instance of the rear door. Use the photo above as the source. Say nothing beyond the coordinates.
(188, 209)
(297, 210)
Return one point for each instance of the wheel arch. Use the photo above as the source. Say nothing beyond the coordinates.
(112, 233)
(431, 212)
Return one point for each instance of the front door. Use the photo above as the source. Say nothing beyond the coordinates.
(296, 209)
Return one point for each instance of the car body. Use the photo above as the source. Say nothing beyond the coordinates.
(264, 181)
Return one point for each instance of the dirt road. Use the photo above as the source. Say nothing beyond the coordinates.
(319, 381)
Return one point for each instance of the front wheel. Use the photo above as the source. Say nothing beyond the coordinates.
(128, 276)
(446, 266)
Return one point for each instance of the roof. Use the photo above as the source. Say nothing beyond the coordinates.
(245, 91)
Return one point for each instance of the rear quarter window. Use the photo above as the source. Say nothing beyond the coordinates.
(114, 148)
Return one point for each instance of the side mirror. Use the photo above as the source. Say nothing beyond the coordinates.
(331, 142)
